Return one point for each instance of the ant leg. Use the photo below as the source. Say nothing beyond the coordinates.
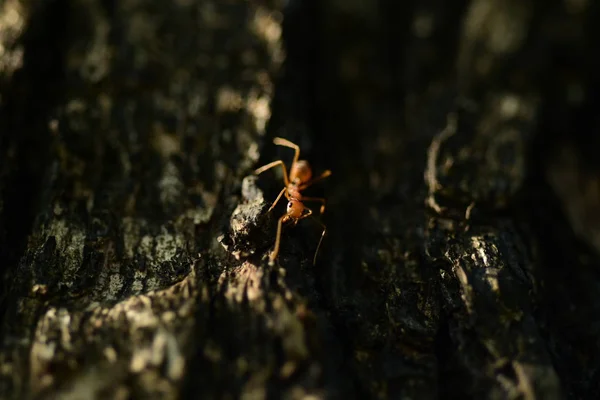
(324, 175)
(309, 214)
(275, 251)
(320, 240)
(271, 165)
(284, 142)
(277, 199)
(319, 199)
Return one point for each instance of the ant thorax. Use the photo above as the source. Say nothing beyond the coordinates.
(293, 192)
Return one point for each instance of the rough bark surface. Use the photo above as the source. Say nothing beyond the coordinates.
(462, 256)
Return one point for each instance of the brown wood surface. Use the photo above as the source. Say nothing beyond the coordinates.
(462, 254)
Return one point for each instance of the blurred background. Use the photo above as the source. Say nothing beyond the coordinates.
(463, 214)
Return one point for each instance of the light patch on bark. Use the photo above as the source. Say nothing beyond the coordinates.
(170, 185)
(149, 320)
(260, 109)
(70, 241)
(266, 25)
(12, 22)
(115, 284)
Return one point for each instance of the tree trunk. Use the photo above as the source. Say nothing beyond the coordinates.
(462, 250)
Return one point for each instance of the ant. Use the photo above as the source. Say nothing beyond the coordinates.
(299, 179)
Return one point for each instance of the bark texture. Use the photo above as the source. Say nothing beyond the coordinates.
(462, 255)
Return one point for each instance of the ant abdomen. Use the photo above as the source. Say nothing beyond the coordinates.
(301, 171)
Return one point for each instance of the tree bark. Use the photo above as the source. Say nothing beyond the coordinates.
(461, 253)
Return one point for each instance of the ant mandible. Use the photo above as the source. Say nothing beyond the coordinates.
(299, 179)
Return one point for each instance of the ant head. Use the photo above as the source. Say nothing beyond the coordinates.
(301, 171)
(295, 209)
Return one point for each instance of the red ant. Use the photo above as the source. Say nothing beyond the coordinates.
(299, 179)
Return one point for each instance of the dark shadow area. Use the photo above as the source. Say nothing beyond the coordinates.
(28, 102)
